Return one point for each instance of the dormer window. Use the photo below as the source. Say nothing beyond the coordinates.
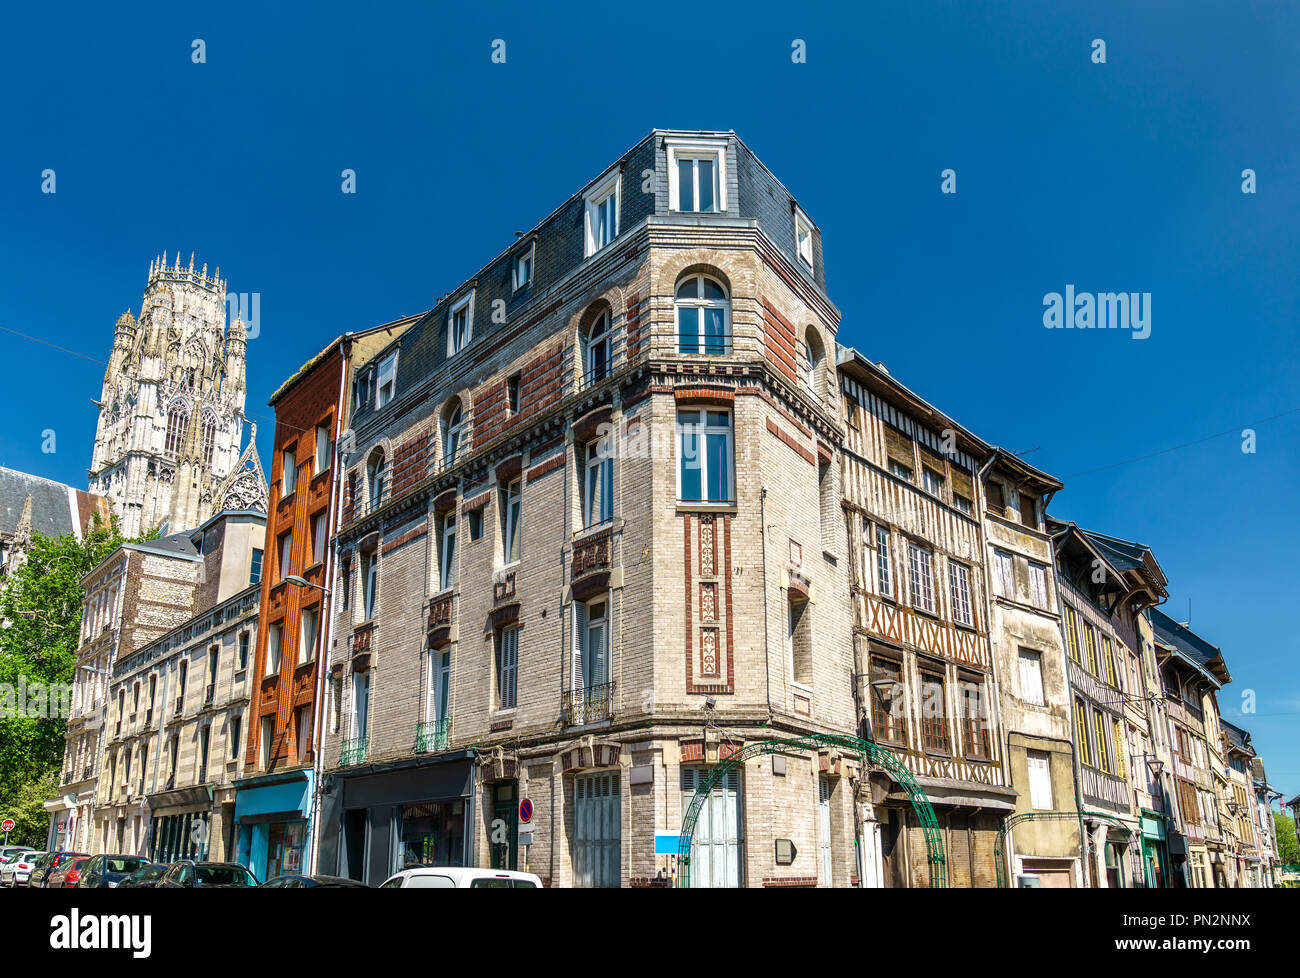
(602, 213)
(460, 325)
(387, 382)
(697, 178)
(523, 268)
(803, 238)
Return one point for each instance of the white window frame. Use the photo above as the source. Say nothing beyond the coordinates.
(289, 475)
(600, 334)
(306, 642)
(921, 577)
(274, 647)
(323, 442)
(584, 624)
(932, 481)
(525, 258)
(699, 304)
(884, 563)
(458, 340)
(369, 584)
(801, 225)
(386, 376)
(697, 149)
(1031, 677)
(447, 553)
(608, 187)
(597, 483)
(959, 585)
(319, 537)
(512, 512)
(702, 430)
(449, 430)
(436, 707)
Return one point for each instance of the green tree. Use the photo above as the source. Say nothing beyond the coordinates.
(1288, 847)
(41, 607)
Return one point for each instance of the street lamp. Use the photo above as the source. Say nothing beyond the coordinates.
(303, 582)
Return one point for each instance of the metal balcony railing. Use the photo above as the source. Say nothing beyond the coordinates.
(432, 736)
(589, 704)
(353, 751)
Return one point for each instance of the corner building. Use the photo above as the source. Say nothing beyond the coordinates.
(553, 581)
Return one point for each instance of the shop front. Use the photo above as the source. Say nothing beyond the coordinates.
(385, 817)
(273, 823)
(180, 826)
(1155, 852)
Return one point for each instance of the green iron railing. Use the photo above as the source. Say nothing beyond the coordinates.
(869, 752)
(353, 751)
(433, 735)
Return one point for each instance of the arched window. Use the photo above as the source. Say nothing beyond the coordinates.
(596, 350)
(209, 437)
(375, 477)
(177, 415)
(703, 316)
(814, 360)
(453, 433)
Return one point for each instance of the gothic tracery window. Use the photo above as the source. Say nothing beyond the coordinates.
(176, 418)
(209, 437)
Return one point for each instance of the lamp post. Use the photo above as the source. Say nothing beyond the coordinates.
(317, 762)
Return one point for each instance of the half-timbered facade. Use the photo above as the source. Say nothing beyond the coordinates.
(923, 661)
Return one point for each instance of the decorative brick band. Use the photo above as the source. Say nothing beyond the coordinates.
(790, 440)
(545, 468)
(478, 502)
(404, 539)
(704, 392)
(770, 881)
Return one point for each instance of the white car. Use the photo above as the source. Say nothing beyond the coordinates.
(18, 870)
(458, 877)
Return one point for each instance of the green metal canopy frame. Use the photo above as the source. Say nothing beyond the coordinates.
(1000, 843)
(867, 750)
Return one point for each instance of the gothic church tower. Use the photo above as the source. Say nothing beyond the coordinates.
(171, 417)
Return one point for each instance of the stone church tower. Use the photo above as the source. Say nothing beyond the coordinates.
(171, 418)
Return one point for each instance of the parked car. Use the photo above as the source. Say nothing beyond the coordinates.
(8, 852)
(457, 877)
(310, 882)
(47, 864)
(106, 872)
(187, 874)
(17, 871)
(144, 878)
(66, 875)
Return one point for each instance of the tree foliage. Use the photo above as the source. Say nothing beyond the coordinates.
(41, 607)
(1288, 847)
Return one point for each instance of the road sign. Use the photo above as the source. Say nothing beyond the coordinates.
(7, 825)
(526, 810)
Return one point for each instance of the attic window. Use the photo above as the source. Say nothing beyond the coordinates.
(387, 384)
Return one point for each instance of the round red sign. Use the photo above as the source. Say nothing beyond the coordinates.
(525, 810)
(7, 825)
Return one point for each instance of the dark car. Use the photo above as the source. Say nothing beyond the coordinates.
(106, 872)
(47, 864)
(65, 875)
(310, 882)
(144, 878)
(188, 874)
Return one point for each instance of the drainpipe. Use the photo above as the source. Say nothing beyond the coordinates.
(327, 610)
(767, 638)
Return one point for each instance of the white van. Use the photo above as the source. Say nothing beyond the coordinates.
(455, 877)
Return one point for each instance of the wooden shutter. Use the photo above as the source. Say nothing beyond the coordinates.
(993, 490)
(579, 637)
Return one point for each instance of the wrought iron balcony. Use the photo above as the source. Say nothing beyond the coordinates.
(432, 736)
(588, 705)
(353, 751)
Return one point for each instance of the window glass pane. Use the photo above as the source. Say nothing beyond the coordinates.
(689, 464)
(686, 185)
(712, 290)
(688, 330)
(715, 331)
(705, 169)
(718, 464)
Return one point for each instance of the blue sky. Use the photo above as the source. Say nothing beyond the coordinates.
(1117, 176)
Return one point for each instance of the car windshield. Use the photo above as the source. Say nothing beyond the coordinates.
(122, 864)
(224, 876)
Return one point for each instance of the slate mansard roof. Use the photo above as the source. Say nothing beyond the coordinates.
(1190, 646)
(56, 508)
(753, 197)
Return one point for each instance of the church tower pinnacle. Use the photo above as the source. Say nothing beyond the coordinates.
(171, 414)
